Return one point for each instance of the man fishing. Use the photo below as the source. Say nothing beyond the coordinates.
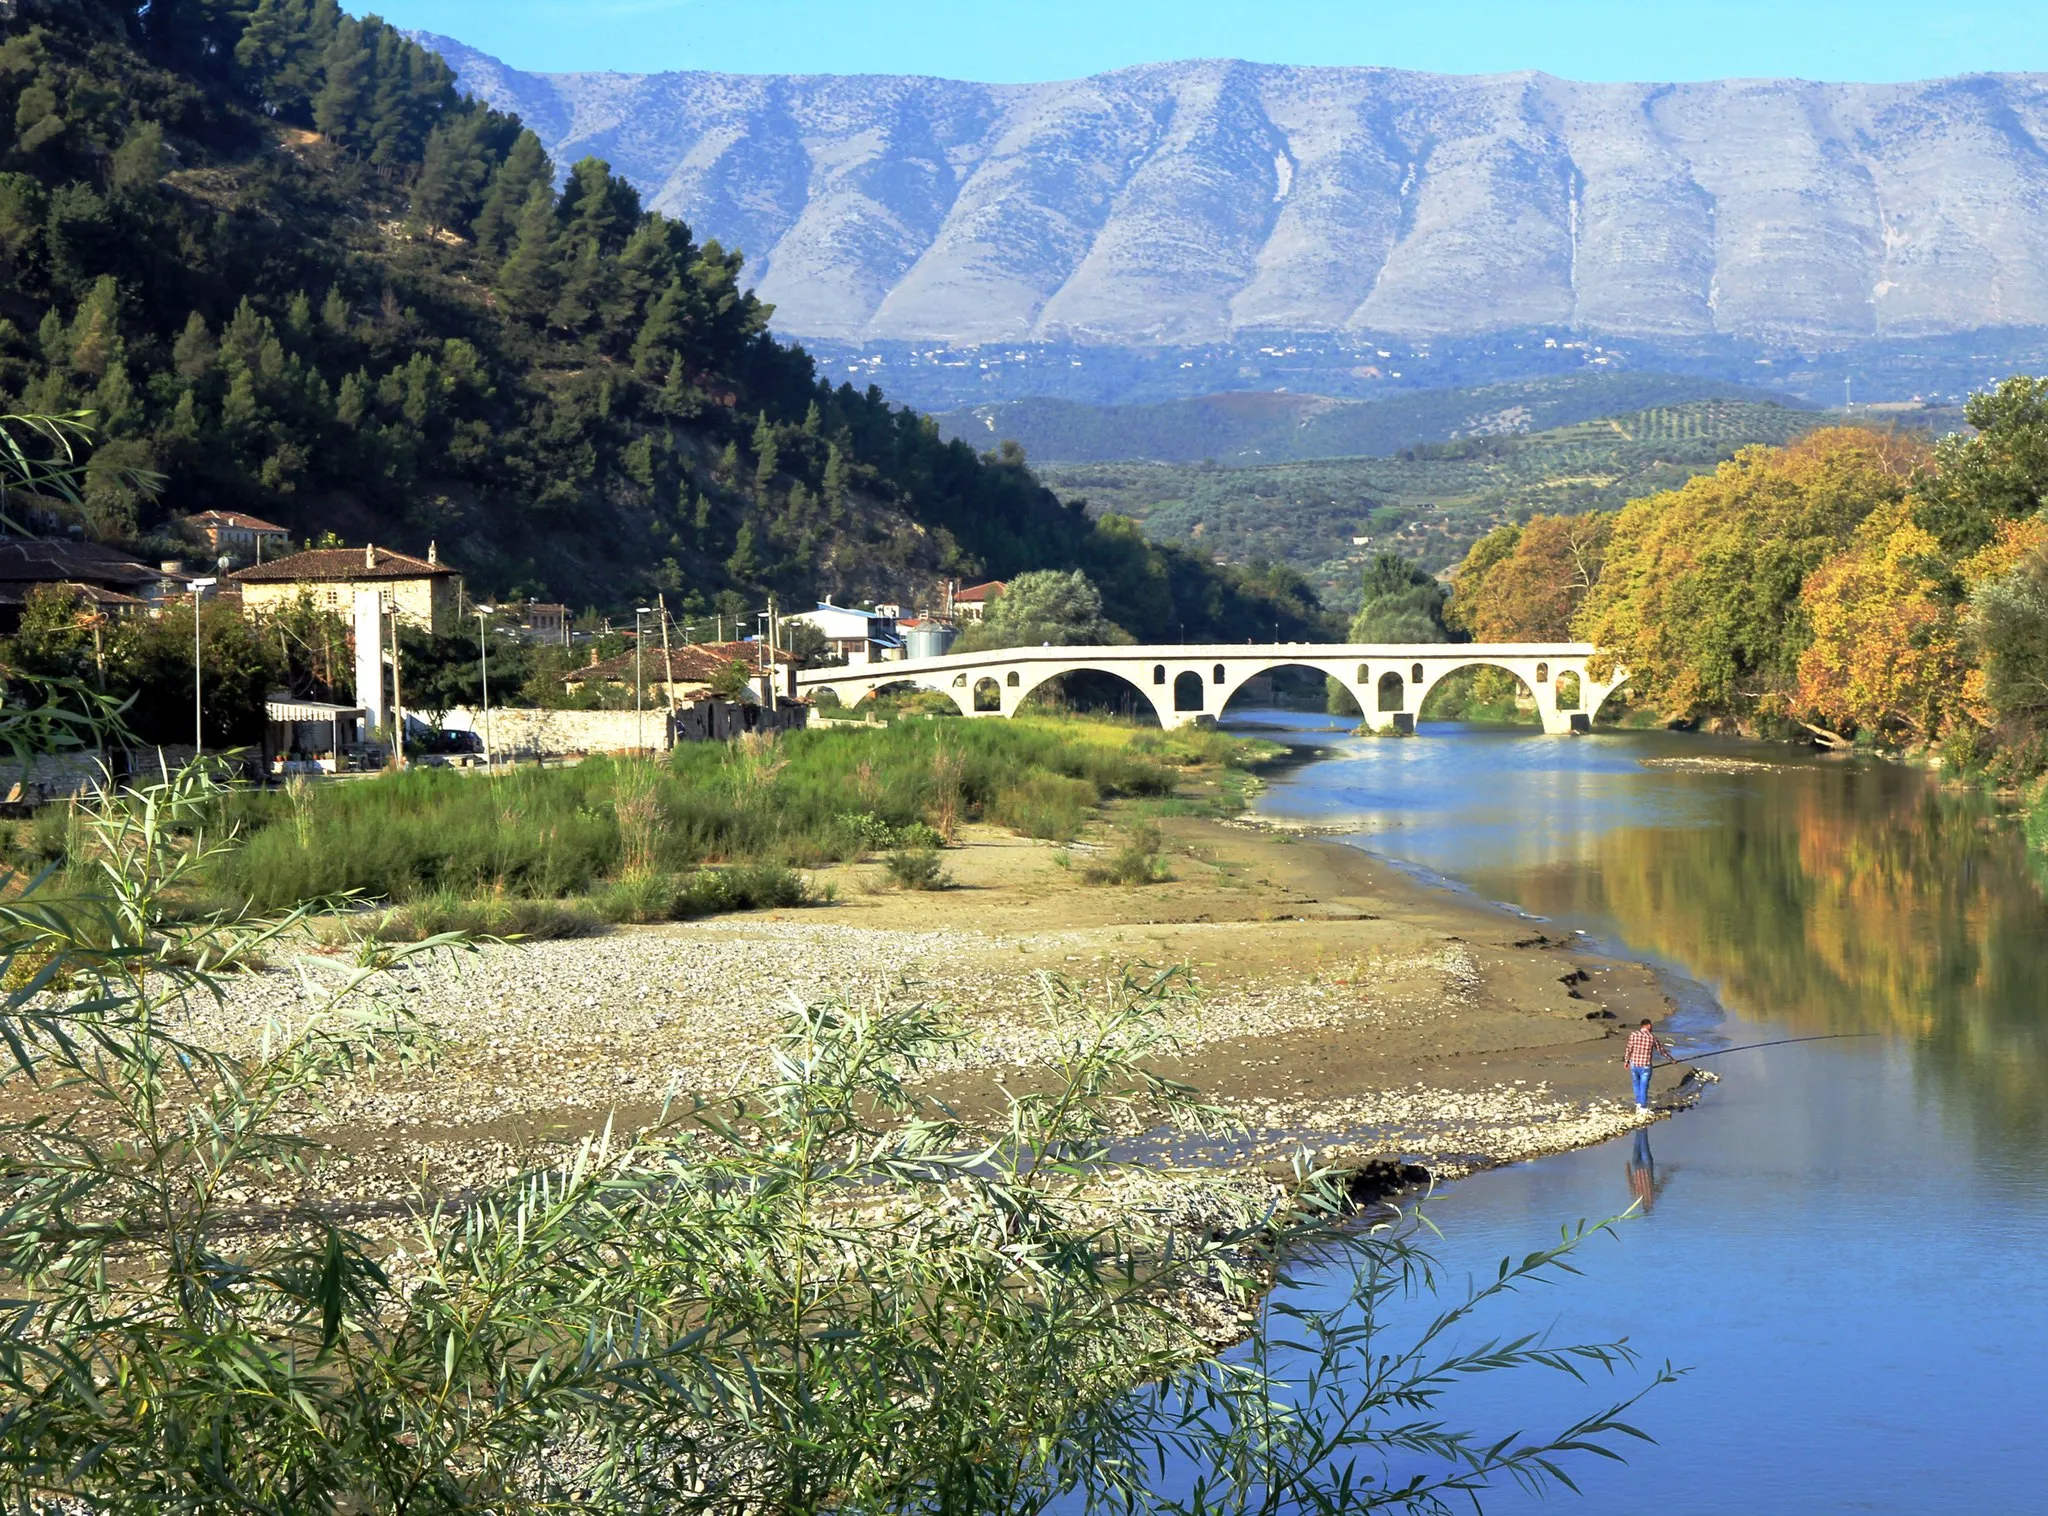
(1641, 1053)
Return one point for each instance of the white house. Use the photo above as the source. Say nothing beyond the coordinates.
(857, 636)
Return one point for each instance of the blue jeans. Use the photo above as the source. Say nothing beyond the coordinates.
(1642, 1079)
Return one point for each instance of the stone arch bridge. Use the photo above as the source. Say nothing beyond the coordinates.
(1191, 684)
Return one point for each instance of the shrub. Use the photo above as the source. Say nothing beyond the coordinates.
(1044, 805)
(1136, 862)
(916, 869)
(759, 887)
(448, 911)
(642, 897)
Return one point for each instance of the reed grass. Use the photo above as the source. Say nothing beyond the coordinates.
(721, 826)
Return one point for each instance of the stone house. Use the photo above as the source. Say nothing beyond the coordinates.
(972, 603)
(422, 591)
(237, 535)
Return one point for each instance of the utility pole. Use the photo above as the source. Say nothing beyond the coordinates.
(199, 589)
(397, 699)
(668, 663)
(483, 657)
(639, 717)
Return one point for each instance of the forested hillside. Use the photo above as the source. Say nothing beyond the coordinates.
(288, 266)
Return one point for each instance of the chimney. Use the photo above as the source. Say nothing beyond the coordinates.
(593, 655)
(433, 552)
(369, 555)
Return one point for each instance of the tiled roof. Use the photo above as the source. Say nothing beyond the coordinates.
(692, 660)
(36, 560)
(17, 593)
(342, 565)
(234, 520)
(978, 592)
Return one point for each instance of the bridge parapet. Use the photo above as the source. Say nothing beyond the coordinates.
(1188, 684)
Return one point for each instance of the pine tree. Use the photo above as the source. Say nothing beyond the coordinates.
(298, 318)
(835, 479)
(340, 106)
(115, 401)
(767, 457)
(352, 405)
(663, 334)
(436, 190)
(185, 423)
(241, 411)
(526, 281)
(139, 162)
(334, 315)
(525, 169)
(813, 423)
(585, 285)
(745, 560)
(53, 336)
(95, 337)
(280, 54)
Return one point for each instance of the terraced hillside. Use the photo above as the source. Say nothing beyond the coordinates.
(1431, 501)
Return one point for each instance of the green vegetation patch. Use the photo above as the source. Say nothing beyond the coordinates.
(712, 828)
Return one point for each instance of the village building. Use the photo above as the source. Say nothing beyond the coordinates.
(972, 603)
(238, 536)
(112, 582)
(680, 683)
(690, 666)
(421, 591)
(537, 621)
(856, 636)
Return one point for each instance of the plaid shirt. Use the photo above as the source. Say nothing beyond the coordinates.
(1643, 1047)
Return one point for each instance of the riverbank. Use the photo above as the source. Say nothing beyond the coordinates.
(1344, 1007)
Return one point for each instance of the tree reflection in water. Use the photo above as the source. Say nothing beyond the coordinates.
(1843, 898)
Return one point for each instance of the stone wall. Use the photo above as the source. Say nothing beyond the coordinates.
(522, 731)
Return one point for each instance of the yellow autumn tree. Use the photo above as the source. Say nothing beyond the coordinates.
(1887, 653)
(1525, 583)
(1700, 595)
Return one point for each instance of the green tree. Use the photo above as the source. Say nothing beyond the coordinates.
(1997, 472)
(1046, 606)
(1402, 603)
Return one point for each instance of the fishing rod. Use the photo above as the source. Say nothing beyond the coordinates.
(1750, 1047)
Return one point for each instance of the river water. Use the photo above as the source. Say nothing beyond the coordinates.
(1847, 1241)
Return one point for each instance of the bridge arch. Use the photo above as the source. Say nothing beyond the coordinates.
(1518, 680)
(959, 696)
(1021, 689)
(1334, 673)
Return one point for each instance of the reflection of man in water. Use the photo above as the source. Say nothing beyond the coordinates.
(1642, 1172)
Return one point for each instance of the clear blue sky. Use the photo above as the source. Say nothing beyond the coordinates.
(1014, 40)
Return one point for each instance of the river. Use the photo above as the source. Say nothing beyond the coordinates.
(1847, 1242)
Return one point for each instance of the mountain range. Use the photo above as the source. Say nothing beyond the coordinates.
(1203, 202)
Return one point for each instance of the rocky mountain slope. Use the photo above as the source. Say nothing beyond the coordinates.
(1193, 203)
